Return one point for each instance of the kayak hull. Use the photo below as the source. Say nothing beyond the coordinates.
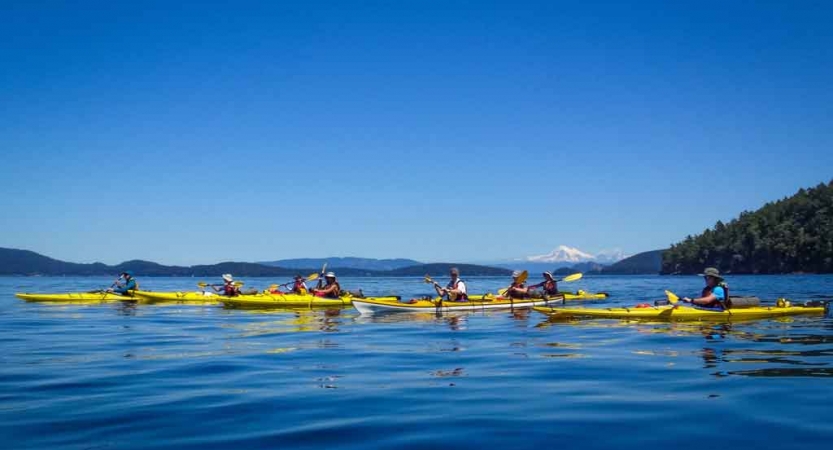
(290, 301)
(195, 297)
(375, 306)
(262, 300)
(682, 313)
(74, 297)
(283, 301)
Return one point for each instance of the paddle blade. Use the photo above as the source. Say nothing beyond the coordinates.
(573, 277)
(428, 280)
(324, 269)
(502, 292)
(202, 284)
(523, 276)
(672, 297)
(312, 277)
(238, 283)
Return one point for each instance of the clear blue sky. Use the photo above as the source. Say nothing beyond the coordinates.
(441, 131)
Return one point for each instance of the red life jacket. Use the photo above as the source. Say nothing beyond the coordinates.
(514, 294)
(229, 290)
(298, 287)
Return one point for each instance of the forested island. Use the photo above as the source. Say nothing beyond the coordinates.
(793, 235)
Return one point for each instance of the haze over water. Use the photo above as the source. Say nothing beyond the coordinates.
(182, 376)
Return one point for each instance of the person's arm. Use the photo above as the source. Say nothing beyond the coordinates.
(326, 290)
(440, 290)
(123, 288)
(216, 289)
(536, 286)
(703, 300)
(119, 289)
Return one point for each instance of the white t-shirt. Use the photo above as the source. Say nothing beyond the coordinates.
(461, 286)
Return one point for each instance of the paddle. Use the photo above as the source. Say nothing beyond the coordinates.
(520, 280)
(428, 280)
(567, 279)
(203, 284)
(672, 297)
(310, 277)
(321, 278)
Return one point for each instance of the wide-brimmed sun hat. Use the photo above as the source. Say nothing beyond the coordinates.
(516, 274)
(711, 272)
(547, 274)
(330, 275)
(228, 277)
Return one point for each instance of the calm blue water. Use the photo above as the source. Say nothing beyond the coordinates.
(144, 377)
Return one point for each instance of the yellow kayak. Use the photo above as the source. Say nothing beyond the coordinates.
(682, 313)
(192, 297)
(582, 295)
(568, 296)
(75, 297)
(289, 300)
(474, 303)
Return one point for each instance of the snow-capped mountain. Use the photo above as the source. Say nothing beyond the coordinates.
(562, 254)
(565, 254)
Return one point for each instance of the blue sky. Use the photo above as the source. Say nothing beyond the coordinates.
(441, 131)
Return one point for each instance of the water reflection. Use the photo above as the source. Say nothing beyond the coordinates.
(800, 354)
(456, 321)
(292, 321)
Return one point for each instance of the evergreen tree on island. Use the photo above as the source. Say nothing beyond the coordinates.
(787, 236)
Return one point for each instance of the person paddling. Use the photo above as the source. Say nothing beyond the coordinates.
(517, 289)
(228, 289)
(331, 290)
(549, 285)
(715, 293)
(124, 284)
(299, 285)
(455, 290)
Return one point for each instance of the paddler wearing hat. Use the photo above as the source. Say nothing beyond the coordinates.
(455, 290)
(299, 285)
(228, 289)
(331, 289)
(715, 293)
(549, 284)
(517, 289)
(124, 284)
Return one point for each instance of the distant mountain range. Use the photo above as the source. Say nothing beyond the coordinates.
(25, 262)
(343, 263)
(645, 263)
